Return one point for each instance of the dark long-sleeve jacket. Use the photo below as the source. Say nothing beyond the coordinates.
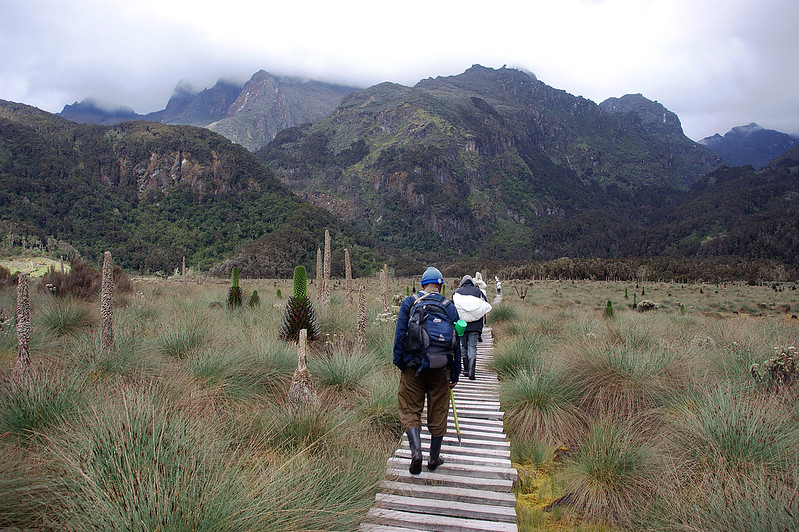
(401, 358)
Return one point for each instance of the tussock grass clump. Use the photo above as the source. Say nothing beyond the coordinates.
(728, 428)
(312, 428)
(320, 492)
(624, 380)
(379, 405)
(341, 370)
(613, 475)
(65, 316)
(542, 405)
(141, 465)
(518, 354)
(180, 342)
(239, 373)
(502, 313)
(41, 402)
(720, 500)
(531, 451)
(27, 491)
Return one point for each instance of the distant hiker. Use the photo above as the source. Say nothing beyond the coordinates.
(472, 306)
(479, 283)
(499, 286)
(428, 370)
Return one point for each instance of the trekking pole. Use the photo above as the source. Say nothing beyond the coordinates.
(455, 415)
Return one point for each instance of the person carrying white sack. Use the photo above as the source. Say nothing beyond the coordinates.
(472, 307)
(479, 283)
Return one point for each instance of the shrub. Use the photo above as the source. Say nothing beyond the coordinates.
(778, 372)
(81, 281)
(6, 279)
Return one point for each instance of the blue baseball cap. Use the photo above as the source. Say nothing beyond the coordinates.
(432, 276)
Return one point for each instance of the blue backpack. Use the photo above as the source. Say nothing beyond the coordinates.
(431, 334)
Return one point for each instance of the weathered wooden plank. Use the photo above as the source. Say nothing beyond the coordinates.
(449, 493)
(463, 459)
(467, 470)
(451, 447)
(437, 523)
(442, 478)
(446, 508)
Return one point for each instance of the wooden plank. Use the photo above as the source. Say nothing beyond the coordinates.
(446, 508)
(467, 470)
(442, 478)
(437, 523)
(452, 448)
(463, 459)
(449, 493)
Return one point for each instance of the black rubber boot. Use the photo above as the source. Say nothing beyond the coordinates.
(465, 365)
(435, 453)
(472, 367)
(415, 443)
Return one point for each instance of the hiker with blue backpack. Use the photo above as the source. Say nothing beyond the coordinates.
(427, 351)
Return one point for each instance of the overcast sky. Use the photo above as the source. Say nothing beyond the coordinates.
(716, 63)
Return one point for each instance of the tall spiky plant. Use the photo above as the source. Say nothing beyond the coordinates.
(347, 278)
(22, 367)
(299, 313)
(107, 304)
(361, 319)
(384, 286)
(319, 278)
(234, 294)
(326, 271)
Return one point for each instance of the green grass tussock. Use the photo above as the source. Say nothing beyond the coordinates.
(613, 474)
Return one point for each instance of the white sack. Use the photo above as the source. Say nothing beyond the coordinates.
(470, 308)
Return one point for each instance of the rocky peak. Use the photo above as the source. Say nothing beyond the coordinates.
(653, 115)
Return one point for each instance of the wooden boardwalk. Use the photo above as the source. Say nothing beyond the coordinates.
(473, 489)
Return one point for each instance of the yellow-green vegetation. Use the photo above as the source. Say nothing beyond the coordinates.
(184, 425)
(657, 420)
(34, 265)
(643, 420)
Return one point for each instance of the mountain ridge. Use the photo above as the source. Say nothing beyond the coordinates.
(750, 145)
(249, 114)
(482, 150)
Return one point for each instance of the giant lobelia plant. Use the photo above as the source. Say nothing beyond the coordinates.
(300, 313)
(234, 294)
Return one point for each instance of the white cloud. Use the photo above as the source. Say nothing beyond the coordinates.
(716, 63)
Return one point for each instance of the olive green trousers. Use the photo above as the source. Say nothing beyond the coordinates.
(432, 384)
